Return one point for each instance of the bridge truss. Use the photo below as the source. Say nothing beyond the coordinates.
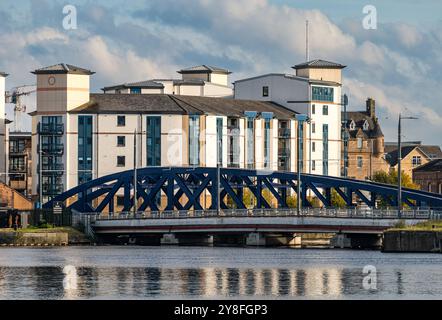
(186, 189)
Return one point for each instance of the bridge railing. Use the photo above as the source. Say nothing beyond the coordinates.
(420, 214)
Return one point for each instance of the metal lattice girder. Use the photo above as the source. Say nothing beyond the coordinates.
(184, 187)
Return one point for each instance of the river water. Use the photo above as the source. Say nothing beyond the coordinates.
(216, 273)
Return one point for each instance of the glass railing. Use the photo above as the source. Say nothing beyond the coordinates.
(51, 128)
(57, 148)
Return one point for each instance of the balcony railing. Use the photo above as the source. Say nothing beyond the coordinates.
(284, 133)
(19, 151)
(14, 169)
(53, 189)
(53, 167)
(52, 148)
(51, 128)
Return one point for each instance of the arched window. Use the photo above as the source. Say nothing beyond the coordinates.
(365, 125)
(352, 125)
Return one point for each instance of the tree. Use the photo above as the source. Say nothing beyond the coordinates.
(336, 200)
(392, 178)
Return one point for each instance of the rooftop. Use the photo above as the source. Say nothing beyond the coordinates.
(431, 152)
(63, 68)
(293, 77)
(319, 64)
(204, 69)
(432, 166)
(359, 118)
(148, 84)
(182, 105)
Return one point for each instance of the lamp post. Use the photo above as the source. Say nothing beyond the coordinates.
(399, 177)
(301, 118)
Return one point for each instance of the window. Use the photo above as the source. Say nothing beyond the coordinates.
(265, 91)
(313, 127)
(121, 141)
(325, 150)
(194, 134)
(118, 91)
(219, 140)
(84, 149)
(313, 165)
(267, 143)
(360, 162)
(233, 142)
(120, 201)
(250, 136)
(365, 126)
(359, 141)
(322, 94)
(135, 90)
(121, 121)
(153, 141)
(313, 109)
(325, 110)
(417, 161)
(121, 161)
(313, 146)
(352, 125)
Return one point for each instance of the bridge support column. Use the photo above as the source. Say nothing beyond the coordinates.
(255, 239)
(169, 239)
(340, 240)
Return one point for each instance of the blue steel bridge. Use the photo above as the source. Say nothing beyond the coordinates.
(183, 188)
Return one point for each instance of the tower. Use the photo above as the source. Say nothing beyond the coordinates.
(60, 88)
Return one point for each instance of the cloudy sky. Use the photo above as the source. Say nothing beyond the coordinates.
(399, 64)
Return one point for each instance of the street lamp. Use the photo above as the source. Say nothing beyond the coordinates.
(301, 118)
(399, 192)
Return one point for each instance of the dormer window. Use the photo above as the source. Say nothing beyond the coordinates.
(365, 125)
(352, 125)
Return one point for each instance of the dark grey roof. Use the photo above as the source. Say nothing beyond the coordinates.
(204, 69)
(431, 151)
(63, 68)
(170, 104)
(148, 84)
(432, 166)
(189, 82)
(319, 64)
(2, 74)
(359, 118)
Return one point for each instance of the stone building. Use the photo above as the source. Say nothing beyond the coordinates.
(12, 199)
(429, 176)
(414, 154)
(365, 144)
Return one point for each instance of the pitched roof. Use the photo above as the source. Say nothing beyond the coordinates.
(359, 118)
(432, 166)
(63, 68)
(292, 77)
(148, 84)
(318, 63)
(170, 104)
(2, 74)
(204, 69)
(430, 151)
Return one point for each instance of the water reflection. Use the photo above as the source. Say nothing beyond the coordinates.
(53, 283)
(99, 275)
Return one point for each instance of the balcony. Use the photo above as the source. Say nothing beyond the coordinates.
(17, 169)
(17, 184)
(53, 189)
(283, 153)
(52, 148)
(51, 129)
(17, 151)
(284, 133)
(53, 167)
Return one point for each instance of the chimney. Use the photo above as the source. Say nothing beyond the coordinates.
(371, 108)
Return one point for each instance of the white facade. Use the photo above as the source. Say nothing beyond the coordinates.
(63, 100)
(295, 93)
(3, 131)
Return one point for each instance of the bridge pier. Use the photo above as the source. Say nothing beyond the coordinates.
(261, 239)
(186, 239)
(356, 241)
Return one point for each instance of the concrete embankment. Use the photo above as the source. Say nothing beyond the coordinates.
(412, 241)
(51, 237)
